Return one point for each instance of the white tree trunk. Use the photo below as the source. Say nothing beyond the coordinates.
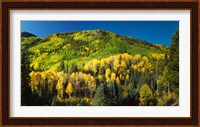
(157, 84)
(168, 88)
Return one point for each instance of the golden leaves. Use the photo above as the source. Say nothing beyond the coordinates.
(137, 57)
(158, 56)
(113, 76)
(69, 88)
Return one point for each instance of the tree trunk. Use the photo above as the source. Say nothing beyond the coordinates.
(62, 91)
(157, 84)
(157, 77)
(168, 90)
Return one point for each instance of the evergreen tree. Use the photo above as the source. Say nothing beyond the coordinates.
(61, 66)
(132, 90)
(173, 64)
(113, 93)
(101, 96)
(26, 93)
(74, 68)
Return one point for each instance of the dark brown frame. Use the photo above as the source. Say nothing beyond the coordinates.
(7, 120)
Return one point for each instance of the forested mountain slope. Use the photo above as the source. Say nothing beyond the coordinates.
(98, 67)
(82, 46)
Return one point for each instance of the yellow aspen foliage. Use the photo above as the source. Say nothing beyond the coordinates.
(96, 41)
(108, 80)
(121, 77)
(154, 55)
(135, 67)
(142, 70)
(73, 78)
(109, 59)
(116, 57)
(61, 75)
(73, 75)
(116, 64)
(91, 83)
(158, 56)
(35, 65)
(108, 72)
(130, 57)
(59, 84)
(141, 64)
(86, 48)
(53, 70)
(145, 94)
(127, 77)
(61, 80)
(149, 66)
(44, 75)
(113, 76)
(137, 57)
(100, 77)
(35, 80)
(117, 81)
(102, 62)
(86, 67)
(51, 74)
(91, 80)
(95, 62)
(69, 89)
(78, 36)
(85, 78)
(145, 59)
(123, 64)
(120, 70)
(126, 56)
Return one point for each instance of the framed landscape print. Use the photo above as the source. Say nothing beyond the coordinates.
(103, 63)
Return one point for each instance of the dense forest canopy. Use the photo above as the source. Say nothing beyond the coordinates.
(98, 68)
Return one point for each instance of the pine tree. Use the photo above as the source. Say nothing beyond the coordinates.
(113, 93)
(174, 62)
(101, 96)
(74, 68)
(171, 71)
(26, 93)
(132, 85)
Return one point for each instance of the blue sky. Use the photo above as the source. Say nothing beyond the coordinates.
(156, 32)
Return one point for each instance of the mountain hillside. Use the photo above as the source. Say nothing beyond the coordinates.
(27, 34)
(98, 68)
(65, 49)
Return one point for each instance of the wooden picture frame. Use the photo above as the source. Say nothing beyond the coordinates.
(7, 6)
